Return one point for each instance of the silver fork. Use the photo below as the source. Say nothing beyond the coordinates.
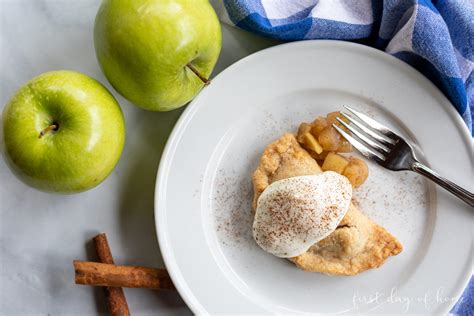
(378, 143)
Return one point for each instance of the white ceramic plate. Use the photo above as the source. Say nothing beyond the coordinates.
(203, 189)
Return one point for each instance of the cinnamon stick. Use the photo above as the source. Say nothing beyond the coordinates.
(116, 300)
(102, 274)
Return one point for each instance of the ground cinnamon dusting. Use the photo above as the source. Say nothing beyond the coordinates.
(232, 206)
(294, 213)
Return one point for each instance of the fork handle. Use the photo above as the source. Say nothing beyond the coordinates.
(452, 187)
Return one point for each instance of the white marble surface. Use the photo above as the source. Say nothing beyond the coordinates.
(40, 233)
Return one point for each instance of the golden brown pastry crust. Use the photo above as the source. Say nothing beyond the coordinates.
(358, 244)
(283, 152)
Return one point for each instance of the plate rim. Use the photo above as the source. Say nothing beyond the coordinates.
(174, 138)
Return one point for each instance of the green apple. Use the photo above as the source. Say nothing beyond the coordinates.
(157, 53)
(63, 132)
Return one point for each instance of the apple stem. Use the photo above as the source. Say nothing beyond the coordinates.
(52, 127)
(196, 72)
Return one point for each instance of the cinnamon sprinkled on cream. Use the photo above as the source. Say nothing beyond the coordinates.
(295, 213)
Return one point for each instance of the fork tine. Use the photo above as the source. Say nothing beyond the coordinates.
(364, 138)
(381, 139)
(364, 150)
(370, 122)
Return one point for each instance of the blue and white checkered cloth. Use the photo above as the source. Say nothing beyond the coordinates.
(436, 37)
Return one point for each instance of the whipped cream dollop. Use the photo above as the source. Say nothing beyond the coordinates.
(293, 214)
